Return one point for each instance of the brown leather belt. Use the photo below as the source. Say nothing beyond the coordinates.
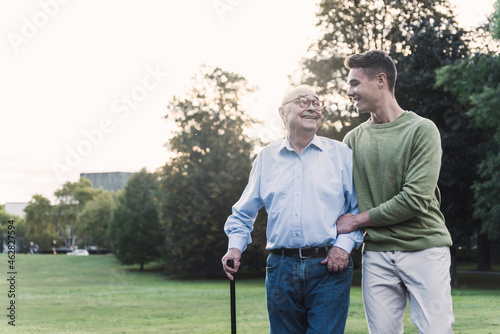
(302, 252)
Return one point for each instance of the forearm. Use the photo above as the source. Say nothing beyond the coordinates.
(348, 222)
(361, 220)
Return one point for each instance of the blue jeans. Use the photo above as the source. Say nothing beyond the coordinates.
(303, 297)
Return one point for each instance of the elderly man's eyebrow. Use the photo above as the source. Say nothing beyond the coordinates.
(315, 97)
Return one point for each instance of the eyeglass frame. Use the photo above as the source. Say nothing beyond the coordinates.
(310, 101)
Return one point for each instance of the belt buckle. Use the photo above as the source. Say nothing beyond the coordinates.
(301, 256)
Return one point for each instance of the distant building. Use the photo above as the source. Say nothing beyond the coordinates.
(112, 181)
(16, 208)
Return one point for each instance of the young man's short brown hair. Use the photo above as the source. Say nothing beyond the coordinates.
(374, 62)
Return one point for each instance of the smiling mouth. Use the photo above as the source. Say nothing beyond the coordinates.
(309, 117)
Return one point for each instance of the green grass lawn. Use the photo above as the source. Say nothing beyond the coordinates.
(95, 294)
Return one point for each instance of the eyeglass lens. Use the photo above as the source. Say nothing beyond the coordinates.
(304, 102)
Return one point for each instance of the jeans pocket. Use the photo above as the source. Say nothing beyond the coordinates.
(346, 272)
(273, 261)
(350, 265)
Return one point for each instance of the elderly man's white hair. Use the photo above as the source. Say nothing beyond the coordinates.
(289, 93)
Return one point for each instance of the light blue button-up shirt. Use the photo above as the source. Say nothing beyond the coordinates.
(303, 195)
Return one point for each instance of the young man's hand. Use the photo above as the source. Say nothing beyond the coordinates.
(349, 222)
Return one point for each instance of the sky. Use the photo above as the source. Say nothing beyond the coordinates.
(86, 84)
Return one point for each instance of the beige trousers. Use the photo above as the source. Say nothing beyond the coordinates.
(422, 277)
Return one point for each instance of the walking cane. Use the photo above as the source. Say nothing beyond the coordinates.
(230, 263)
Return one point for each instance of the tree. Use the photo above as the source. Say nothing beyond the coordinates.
(357, 26)
(94, 219)
(71, 199)
(40, 228)
(19, 229)
(495, 21)
(209, 170)
(476, 81)
(134, 232)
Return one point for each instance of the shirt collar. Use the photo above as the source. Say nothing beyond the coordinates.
(315, 141)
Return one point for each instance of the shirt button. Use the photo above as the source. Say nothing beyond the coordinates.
(393, 261)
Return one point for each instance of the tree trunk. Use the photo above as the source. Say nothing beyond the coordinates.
(483, 253)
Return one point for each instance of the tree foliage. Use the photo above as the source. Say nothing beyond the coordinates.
(357, 26)
(21, 239)
(94, 219)
(209, 170)
(40, 228)
(134, 232)
(70, 201)
(495, 21)
(476, 81)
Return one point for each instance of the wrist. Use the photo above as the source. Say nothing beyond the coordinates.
(362, 220)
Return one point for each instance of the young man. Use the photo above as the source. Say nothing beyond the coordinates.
(305, 183)
(397, 158)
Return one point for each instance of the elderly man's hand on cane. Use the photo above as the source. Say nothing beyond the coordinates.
(235, 255)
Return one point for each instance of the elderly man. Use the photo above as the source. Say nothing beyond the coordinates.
(305, 183)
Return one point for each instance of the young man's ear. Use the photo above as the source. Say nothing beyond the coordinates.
(381, 79)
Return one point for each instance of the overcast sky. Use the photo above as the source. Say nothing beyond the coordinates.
(85, 84)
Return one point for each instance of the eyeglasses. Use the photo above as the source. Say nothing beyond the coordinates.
(305, 102)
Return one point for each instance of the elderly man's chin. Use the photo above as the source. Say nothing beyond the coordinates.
(310, 125)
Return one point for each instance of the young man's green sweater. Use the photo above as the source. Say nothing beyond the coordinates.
(396, 169)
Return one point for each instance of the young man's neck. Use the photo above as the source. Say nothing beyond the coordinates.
(387, 113)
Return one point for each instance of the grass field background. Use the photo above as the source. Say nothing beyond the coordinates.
(95, 294)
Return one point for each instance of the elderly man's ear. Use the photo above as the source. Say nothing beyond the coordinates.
(282, 115)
